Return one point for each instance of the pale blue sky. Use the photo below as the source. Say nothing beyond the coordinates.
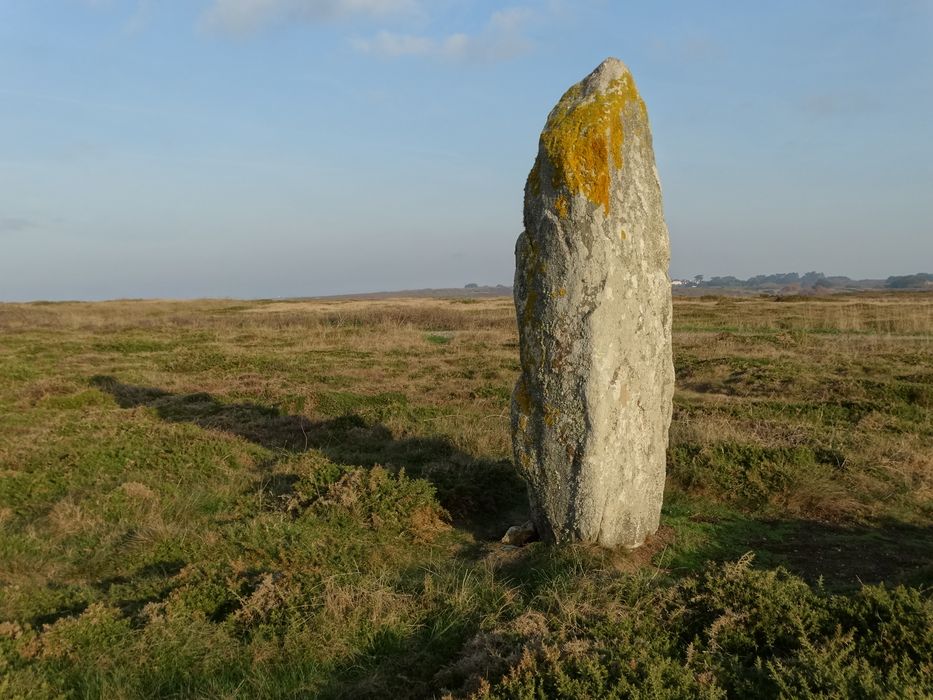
(262, 148)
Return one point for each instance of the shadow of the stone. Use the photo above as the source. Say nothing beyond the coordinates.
(840, 557)
(483, 496)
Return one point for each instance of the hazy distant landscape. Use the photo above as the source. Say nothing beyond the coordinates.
(785, 284)
(304, 499)
(792, 282)
(466, 350)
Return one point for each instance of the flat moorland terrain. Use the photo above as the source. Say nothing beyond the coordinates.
(303, 499)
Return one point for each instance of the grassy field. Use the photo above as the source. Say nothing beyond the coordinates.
(303, 499)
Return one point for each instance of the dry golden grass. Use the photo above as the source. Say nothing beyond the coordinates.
(302, 498)
(460, 360)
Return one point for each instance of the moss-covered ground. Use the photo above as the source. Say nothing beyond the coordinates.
(303, 499)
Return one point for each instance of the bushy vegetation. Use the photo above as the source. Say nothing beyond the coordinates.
(921, 280)
(303, 499)
(816, 280)
(731, 631)
(781, 279)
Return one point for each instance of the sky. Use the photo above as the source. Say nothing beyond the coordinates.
(282, 148)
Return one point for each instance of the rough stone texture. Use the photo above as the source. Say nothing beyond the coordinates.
(592, 408)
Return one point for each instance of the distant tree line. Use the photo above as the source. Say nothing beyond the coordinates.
(781, 279)
(918, 281)
(815, 280)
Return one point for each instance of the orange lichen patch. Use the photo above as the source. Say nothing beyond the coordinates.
(530, 264)
(583, 139)
(562, 206)
(526, 462)
(534, 179)
(523, 399)
(531, 298)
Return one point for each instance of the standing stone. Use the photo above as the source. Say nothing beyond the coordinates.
(592, 408)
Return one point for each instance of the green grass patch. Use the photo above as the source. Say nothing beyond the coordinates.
(201, 501)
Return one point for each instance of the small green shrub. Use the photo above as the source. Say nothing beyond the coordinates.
(378, 406)
(748, 474)
(732, 631)
(385, 502)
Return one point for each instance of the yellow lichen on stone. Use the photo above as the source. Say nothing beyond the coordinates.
(523, 399)
(583, 139)
(534, 180)
(531, 298)
(561, 206)
(622, 234)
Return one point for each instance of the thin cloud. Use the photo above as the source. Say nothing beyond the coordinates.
(512, 19)
(689, 48)
(502, 38)
(395, 45)
(838, 103)
(140, 18)
(137, 18)
(14, 224)
(245, 16)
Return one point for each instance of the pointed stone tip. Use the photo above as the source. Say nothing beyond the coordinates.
(611, 68)
(606, 74)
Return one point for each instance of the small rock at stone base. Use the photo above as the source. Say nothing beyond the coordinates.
(520, 535)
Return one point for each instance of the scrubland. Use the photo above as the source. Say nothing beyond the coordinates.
(303, 499)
